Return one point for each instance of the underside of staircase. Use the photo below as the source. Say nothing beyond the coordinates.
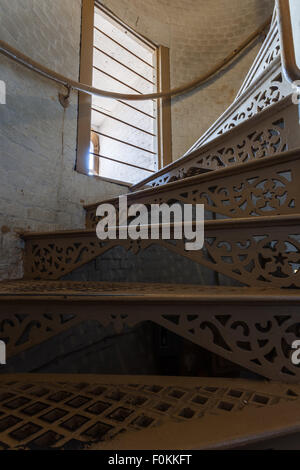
(244, 170)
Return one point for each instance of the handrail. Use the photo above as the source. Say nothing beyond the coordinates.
(29, 63)
(290, 67)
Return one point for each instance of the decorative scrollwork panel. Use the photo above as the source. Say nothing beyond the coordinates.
(23, 331)
(257, 335)
(256, 252)
(268, 256)
(271, 136)
(269, 189)
(259, 339)
(267, 55)
(268, 140)
(270, 93)
(268, 90)
(57, 255)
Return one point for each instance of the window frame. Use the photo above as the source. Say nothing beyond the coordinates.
(164, 126)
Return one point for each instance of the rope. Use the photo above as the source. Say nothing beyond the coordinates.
(29, 63)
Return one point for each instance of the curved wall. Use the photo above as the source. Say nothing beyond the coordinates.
(199, 34)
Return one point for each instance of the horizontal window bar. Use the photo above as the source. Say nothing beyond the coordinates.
(132, 107)
(136, 109)
(130, 30)
(123, 47)
(117, 80)
(123, 142)
(123, 65)
(122, 163)
(123, 122)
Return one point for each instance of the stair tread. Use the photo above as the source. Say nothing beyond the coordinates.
(172, 412)
(103, 291)
(209, 224)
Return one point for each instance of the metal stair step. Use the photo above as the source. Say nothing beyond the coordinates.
(254, 328)
(266, 186)
(272, 131)
(129, 412)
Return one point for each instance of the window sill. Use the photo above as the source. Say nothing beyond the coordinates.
(111, 180)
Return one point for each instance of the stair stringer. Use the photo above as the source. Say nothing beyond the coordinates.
(269, 51)
(258, 251)
(267, 89)
(255, 334)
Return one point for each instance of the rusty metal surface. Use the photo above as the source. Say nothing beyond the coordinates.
(83, 412)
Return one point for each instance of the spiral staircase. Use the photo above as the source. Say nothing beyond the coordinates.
(244, 170)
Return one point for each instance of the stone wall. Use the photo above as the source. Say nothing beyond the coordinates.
(199, 33)
(39, 189)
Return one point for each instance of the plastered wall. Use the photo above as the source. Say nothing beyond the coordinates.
(39, 189)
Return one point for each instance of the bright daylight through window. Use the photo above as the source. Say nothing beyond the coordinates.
(123, 137)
